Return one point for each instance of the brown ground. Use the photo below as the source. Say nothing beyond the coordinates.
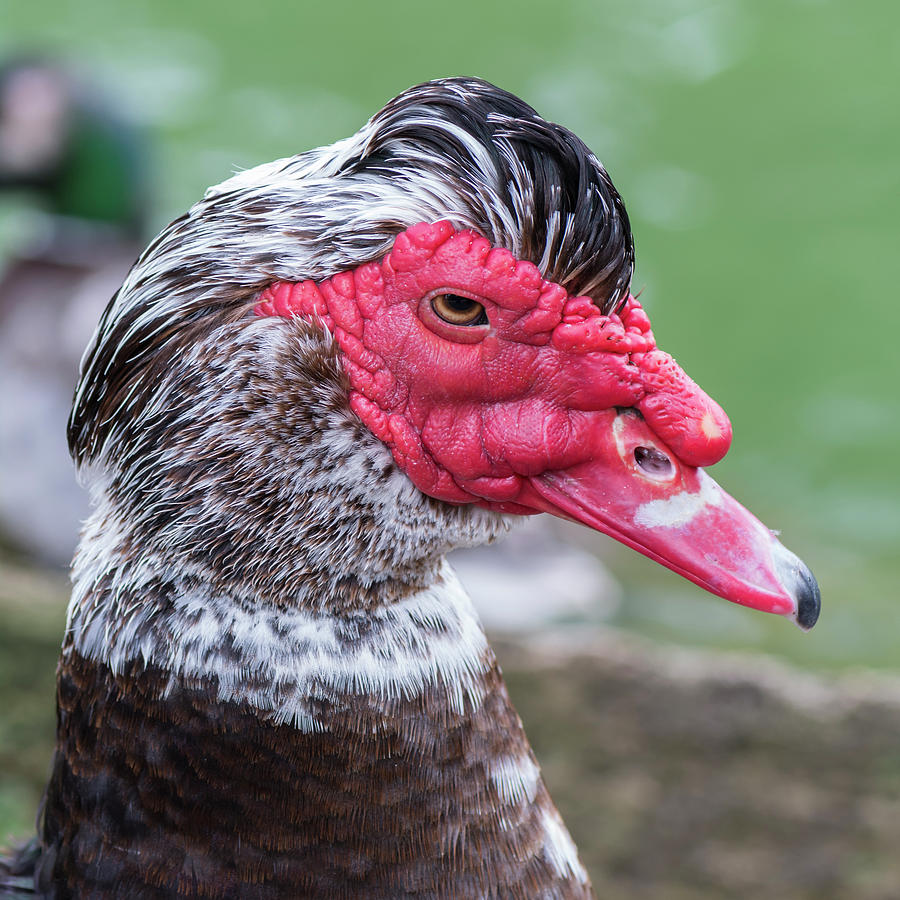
(682, 775)
(687, 775)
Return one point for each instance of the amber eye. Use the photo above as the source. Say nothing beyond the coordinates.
(457, 310)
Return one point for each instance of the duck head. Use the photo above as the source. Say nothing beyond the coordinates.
(472, 263)
(492, 385)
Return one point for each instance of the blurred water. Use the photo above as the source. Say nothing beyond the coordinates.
(756, 145)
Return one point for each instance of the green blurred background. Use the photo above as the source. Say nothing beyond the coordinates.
(757, 146)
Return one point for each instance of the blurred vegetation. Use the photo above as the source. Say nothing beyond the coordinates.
(756, 145)
(32, 613)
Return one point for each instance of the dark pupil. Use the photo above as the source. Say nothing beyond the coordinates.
(459, 304)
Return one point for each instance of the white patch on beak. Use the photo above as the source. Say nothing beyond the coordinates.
(680, 508)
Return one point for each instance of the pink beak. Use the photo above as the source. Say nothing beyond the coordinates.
(637, 491)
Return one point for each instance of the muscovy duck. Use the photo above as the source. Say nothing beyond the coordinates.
(329, 372)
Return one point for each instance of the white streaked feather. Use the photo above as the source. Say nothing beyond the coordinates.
(516, 779)
(431, 639)
(559, 848)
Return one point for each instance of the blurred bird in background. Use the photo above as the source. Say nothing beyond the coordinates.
(74, 176)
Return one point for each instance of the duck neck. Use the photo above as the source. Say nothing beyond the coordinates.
(272, 684)
(221, 748)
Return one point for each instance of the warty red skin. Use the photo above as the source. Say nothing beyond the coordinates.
(469, 412)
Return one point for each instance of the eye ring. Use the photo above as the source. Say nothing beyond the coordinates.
(454, 309)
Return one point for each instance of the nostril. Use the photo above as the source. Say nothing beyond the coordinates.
(653, 462)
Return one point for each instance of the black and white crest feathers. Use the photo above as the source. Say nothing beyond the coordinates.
(532, 186)
(457, 149)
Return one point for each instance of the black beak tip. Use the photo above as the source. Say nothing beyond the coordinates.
(799, 583)
(809, 599)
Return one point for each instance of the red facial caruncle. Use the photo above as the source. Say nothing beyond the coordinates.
(491, 385)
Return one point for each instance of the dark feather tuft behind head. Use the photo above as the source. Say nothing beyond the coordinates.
(569, 218)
